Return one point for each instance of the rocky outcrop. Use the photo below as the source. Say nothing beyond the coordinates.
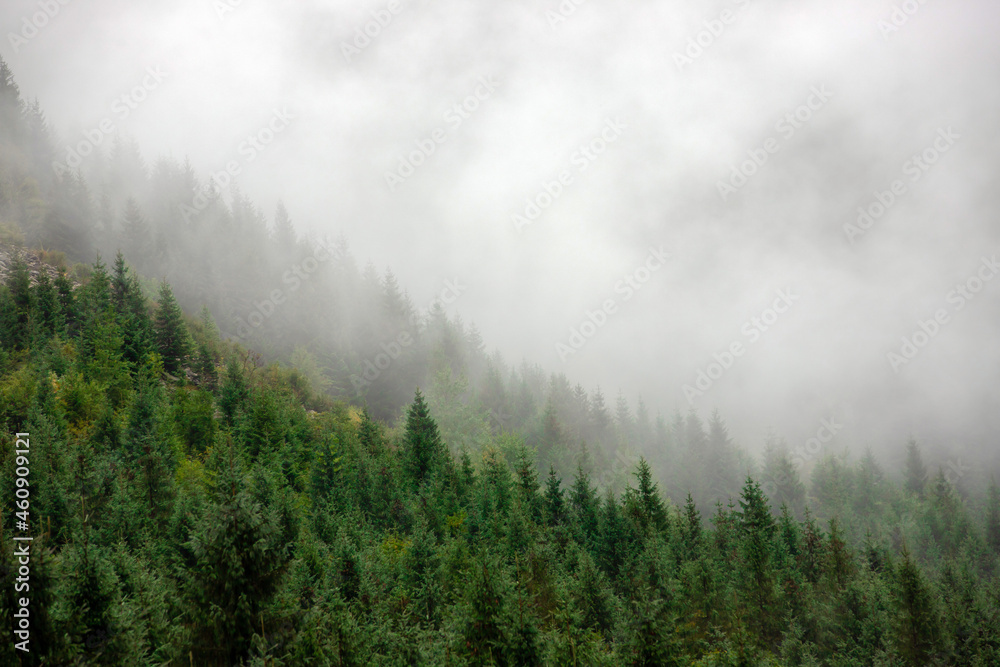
(10, 253)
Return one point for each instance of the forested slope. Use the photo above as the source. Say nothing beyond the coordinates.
(197, 498)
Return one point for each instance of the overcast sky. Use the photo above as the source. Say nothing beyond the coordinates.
(666, 121)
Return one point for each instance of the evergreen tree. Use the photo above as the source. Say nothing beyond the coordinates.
(284, 232)
(17, 325)
(554, 503)
(918, 626)
(756, 551)
(993, 517)
(583, 500)
(484, 638)
(424, 450)
(48, 317)
(137, 239)
(653, 513)
(172, 338)
(691, 529)
(237, 559)
(67, 301)
(915, 470)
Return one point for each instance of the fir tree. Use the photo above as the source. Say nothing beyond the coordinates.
(918, 626)
(423, 446)
(554, 503)
(653, 512)
(691, 529)
(756, 551)
(915, 470)
(993, 517)
(172, 338)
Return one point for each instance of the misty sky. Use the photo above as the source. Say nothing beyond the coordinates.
(672, 130)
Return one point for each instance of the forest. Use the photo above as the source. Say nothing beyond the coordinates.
(349, 479)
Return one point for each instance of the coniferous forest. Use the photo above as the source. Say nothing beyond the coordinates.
(209, 487)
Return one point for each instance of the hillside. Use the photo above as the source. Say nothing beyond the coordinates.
(346, 479)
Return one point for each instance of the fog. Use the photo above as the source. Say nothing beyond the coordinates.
(642, 125)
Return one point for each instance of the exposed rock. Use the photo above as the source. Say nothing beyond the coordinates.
(10, 253)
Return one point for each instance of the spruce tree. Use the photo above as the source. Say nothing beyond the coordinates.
(918, 626)
(583, 498)
(424, 449)
(691, 529)
(172, 338)
(17, 316)
(993, 517)
(67, 301)
(756, 550)
(483, 634)
(555, 506)
(48, 316)
(915, 470)
(654, 514)
(136, 235)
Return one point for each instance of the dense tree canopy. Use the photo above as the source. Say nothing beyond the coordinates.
(273, 489)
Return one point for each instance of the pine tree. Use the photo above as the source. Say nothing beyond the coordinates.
(235, 393)
(691, 529)
(483, 635)
(370, 434)
(424, 450)
(555, 507)
(722, 466)
(137, 239)
(284, 232)
(527, 479)
(48, 315)
(918, 626)
(132, 314)
(208, 376)
(613, 540)
(915, 470)
(17, 324)
(172, 338)
(237, 558)
(782, 480)
(67, 302)
(653, 512)
(993, 517)
(583, 499)
(756, 549)
(841, 565)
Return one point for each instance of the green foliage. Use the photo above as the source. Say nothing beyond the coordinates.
(247, 511)
(173, 341)
(424, 450)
